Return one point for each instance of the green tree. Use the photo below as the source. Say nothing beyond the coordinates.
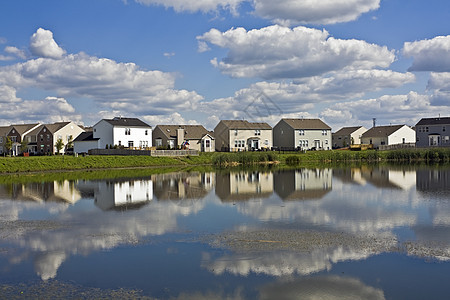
(24, 145)
(59, 145)
(69, 142)
(8, 145)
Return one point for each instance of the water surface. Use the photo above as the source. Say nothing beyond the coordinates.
(369, 232)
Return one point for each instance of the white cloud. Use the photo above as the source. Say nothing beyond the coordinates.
(313, 11)
(195, 5)
(388, 109)
(16, 51)
(439, 85)
(173, 118)
(42, 44)
(280, 52)
(429, 55)
(8, 94)
(49, 110)
(6, 57)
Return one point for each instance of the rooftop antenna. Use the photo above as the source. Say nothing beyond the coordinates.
(374, 122)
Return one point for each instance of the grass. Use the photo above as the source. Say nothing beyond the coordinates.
(65, 163)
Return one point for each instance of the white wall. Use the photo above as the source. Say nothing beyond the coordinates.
(84, 147)
(311, 136)
(137, 135)
(103, 130)
(403, 133)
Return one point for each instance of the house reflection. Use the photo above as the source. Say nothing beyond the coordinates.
(119, 194)
(243, 185)
(182, 186)
(56, 191)
(303, 184)
(433, 180)
(379, 176)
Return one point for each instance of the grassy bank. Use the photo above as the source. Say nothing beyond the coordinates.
(61, 163)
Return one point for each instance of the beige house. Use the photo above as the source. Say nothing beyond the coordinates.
(194, 137)
(241, 135)
(347, 136)
(304, 134)
(243, 186)
(17, 133)
(389, 135)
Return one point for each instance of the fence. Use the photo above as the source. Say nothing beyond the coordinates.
(397, 146)
(143, 152)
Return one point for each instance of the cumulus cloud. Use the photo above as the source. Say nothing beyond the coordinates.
(429, 55)
(49, 110)
(314, 12)
(439, 85)
(42, 44)
(195, 5)
(15, 51)
(173, 118)
(120, 87)
(276, 52)
(283, 11)
(388, 109)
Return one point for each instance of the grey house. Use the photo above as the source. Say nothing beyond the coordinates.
(302, 134)
(433, 132)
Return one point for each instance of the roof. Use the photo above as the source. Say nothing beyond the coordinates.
(306, 123)
(4, 130)
(244, 124)
(86, 136)
(434, 121)
(347, 130)
(21, 128)
(191, 132)
(132, 122)
(381, 131)
(55, 126)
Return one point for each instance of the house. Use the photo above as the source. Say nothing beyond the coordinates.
(347, 136)
(303, 184)
(84, 142)
(244, 185)
(4, 130)
(123, 132)
(388, 135)
(305, 134)
(16, 133)
(194, 137)
(44, 139)
(433, 132)
(241, 135)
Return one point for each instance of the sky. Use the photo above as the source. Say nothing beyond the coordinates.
(202, 61)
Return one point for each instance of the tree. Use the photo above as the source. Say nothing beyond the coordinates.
(69, 142)
(8, 145)
(24, 145)
(59, 145)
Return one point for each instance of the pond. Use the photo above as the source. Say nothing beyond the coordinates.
(366, 232)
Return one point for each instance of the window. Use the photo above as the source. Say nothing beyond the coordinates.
(207, 143)
(426, 129)
(14, 139)
(235, 132)
(146, 132)
(42, 137)
(158, 142)
(120, 143)
(266, 142)
(95, 130)
(443, 128)
(257, 132)
(301, 132)
(130, 144)
(48, 137)
(326, 142)
(324, 132)
(127, 131)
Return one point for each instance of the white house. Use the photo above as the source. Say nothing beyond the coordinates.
(389, 135)
(347, 136)
(84, 142)
(126, 132)
(302, 133)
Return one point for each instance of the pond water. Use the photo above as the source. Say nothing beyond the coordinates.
(368, 232)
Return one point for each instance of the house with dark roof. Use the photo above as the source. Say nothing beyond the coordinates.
(127, 132)
(43, 140)
(194, 137)
(347, 136)
(389, 135)
(242, 135)
(17, 132)
(304, 134)
(433, 132)
(84, 142)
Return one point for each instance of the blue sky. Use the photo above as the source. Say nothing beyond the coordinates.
(191, 61)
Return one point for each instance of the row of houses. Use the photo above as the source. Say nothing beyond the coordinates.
(228, 135)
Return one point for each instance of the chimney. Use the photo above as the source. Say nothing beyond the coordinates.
(374, 122)
(180, 136)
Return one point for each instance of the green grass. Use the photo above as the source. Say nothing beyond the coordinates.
(64, 163)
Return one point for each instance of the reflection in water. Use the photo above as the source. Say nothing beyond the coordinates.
(243, 185)
(303, 184)
(323, 287)
(357, 213)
